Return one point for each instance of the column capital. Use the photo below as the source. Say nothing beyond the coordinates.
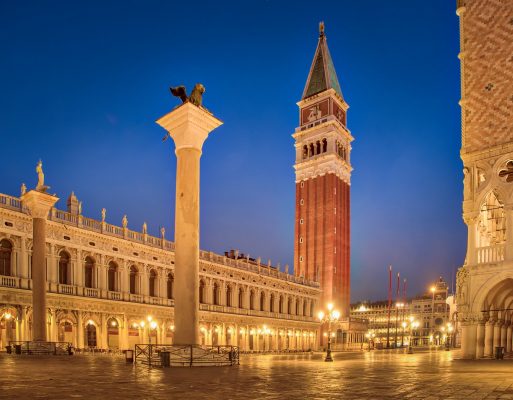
(39, 203)
(189, 125)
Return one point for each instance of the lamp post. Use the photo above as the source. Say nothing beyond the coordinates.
(329, 317)
(403, 324)
(432, 324)
(413, 326)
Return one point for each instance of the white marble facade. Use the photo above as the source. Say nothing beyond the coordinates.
(104, 280)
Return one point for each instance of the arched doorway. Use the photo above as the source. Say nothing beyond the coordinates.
(113, 333)
(7, 327)
(90, 335)
(65, 332)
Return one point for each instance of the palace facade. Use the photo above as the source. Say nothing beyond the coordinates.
(104, 281)
(485, 281)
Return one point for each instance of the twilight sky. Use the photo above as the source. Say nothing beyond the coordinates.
(82, 83)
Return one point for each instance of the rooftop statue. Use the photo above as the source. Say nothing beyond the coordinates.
(195, 97)
(40, 178)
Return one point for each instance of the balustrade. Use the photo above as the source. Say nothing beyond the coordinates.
(114, 295)
(66, 289)
(490, 254)
(90, 292)
(9, 281)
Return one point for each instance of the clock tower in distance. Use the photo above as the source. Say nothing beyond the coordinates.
(323, 177)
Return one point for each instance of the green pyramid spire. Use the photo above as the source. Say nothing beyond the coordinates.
(322, 74)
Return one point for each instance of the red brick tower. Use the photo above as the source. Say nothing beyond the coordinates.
(323, 172)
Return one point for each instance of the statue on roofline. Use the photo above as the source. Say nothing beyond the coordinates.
(41, 178)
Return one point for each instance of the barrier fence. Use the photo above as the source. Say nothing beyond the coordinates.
(39, 348)
(185, 356)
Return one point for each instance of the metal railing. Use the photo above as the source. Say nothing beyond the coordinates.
(154, 355)
(40, 348)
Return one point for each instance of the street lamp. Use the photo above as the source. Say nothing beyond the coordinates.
(329, 317)
(413, 326)
(404, 324)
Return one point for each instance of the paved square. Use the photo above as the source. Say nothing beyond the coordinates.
(374, 375)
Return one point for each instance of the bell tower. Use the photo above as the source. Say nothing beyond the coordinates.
(323, 177)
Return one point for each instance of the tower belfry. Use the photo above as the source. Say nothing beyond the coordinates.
(323, 172)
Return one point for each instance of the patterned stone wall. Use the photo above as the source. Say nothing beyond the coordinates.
(487, 73)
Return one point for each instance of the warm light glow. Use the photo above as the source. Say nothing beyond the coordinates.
(330, 306)
(230, 330)
(134, 325)
(172, 327)
(320, 315)
(362, 308)
(411, 318)
(241, 331)
(252, 332)
(216, 329)
(7, 315)
(202, 329)
(404, 324)
(336, 315)
(153, 325)
(433, 289)
(149, 318)
(142, 323)
(311, 334)
(90, 322)
(325, 334)
(113, 323)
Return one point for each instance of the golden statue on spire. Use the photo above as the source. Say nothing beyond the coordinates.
(321, 28)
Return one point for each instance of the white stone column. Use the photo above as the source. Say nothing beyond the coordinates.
(471, 221)
(189, 126)
(468, 340)
(480, 339)
(488, 345)
(80, 330)
(497, 334)
(24, 272)
(508, 249)
(504, 334)
(508, 338)
(39, 203)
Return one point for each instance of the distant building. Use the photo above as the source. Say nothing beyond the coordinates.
(430, 310)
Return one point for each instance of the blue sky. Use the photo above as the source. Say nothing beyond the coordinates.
(83, 82)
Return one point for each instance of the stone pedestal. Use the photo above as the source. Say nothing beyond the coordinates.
(189, 127)
(39, 204)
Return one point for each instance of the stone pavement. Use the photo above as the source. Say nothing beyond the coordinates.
(365, 375)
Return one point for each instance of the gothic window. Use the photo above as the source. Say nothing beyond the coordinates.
(312, 150)
(492, 223)
(229, 296)
(262, 301)
(5, 257)
(63, 268)
(202, 291)
(304, 307)
(133, 279)
(305, 151)
(152, 283)
(215, 294)
(318, 148)
(271, 303)
(280, 305)
(170, 282)
(324, 145)
(241, 298)
(289, 306)
(112, 275)
(297, 307)
(89, 272)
